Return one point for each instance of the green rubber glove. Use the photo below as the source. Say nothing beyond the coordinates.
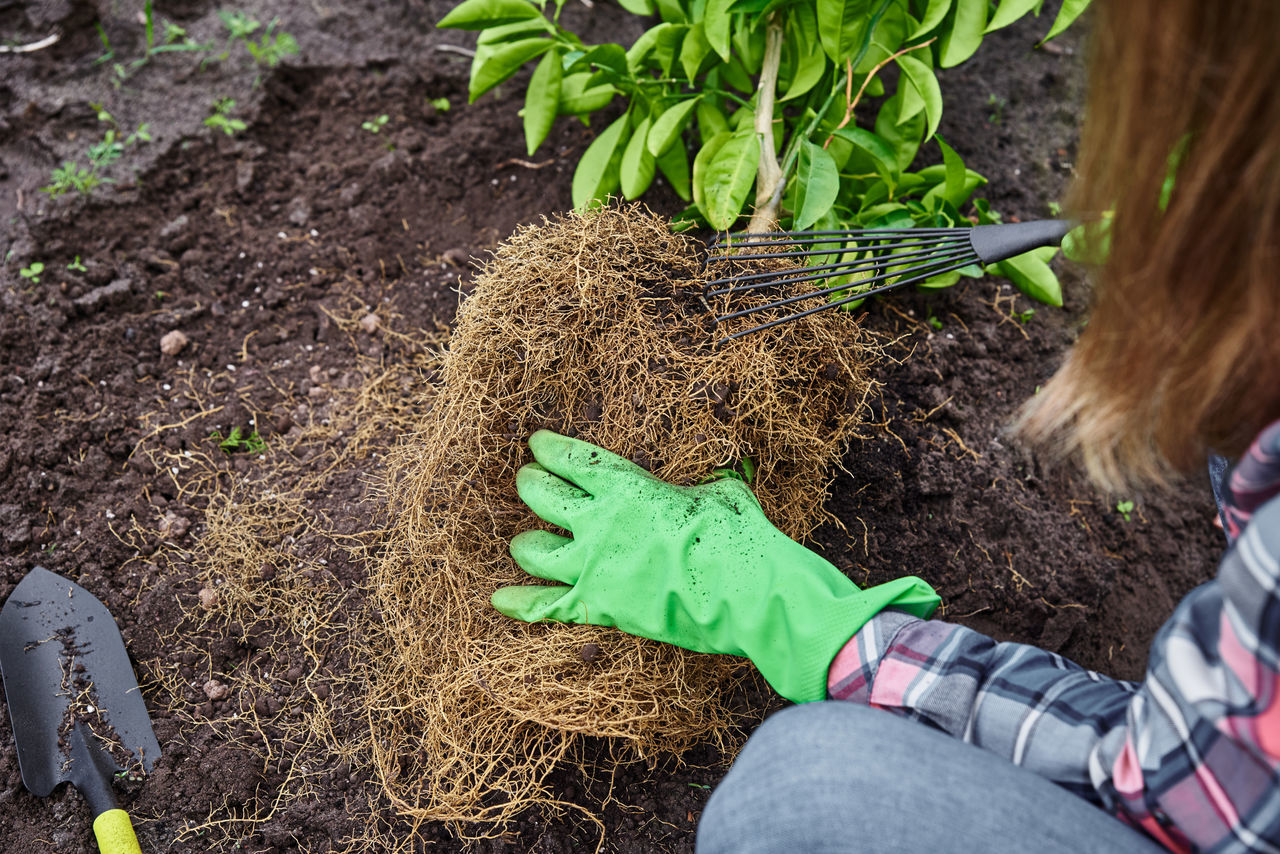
(699, 567)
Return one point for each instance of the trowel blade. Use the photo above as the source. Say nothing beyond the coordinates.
(58, 643)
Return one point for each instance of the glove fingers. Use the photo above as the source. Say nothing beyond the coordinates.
(547, 555)
(552, 498)
(531, 604)
(593, 469)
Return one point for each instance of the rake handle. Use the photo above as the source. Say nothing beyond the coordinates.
(995, 243)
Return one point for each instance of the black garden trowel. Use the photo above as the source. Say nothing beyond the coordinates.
(77, 713)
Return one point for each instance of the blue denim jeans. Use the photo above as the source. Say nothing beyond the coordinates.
(841, 777)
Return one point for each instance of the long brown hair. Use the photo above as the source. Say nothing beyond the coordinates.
(1181, 354)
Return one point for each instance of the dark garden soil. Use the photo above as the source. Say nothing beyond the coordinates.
(264, 248)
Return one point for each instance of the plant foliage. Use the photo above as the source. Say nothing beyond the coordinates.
(747, 107)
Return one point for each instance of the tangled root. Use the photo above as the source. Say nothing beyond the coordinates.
(590, 325)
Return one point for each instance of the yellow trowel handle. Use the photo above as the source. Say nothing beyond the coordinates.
(114, 833)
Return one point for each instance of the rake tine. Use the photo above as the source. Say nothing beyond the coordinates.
(864, 295)
(936, 244)
(827, 271)
(848, 232)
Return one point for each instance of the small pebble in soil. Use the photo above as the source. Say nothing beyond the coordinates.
(215, 690)
(173, 526)
(589, 652)
(208, 597)
(370, 323)
(173, 342)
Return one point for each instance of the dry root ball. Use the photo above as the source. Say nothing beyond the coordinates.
(588, 325)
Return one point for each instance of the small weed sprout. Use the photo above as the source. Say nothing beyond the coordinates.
(84, 180)
(935, 322)
(1024, 317)
(272, 48)
(33, 272)
(376, 125)
(441, 104)
(220, 118)
(1125, 508)
(268, 51)
(76, 267)
(1055, 209)
(997, 105)
(238, 441)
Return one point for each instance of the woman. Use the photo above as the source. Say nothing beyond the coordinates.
(996, 746)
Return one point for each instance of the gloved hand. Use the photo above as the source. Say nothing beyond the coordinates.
(699, 567)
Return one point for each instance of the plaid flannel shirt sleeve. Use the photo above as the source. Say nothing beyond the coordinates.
(1191, 755)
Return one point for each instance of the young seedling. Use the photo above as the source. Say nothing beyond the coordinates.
(238, 441)
(1125, 508)
(33, 272)
(84, 180)
(935, 322)
(997, 105)
(221, 119)
(376, 125)
(441, 104)
(272, 48)
(268, 51)
(1024, 317)
(76, 267)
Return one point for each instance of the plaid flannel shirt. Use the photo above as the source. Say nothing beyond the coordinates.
(1190, 755)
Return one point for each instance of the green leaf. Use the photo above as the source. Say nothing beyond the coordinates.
(1071, 9)
(842, 24)
(597, 172)
(637, 166)
(482, 14)
(933, 16)
(935, 177)
(717, 26)
(643, 8)
(960, 42)
(577, 98)
(514, 32)
(810, 67)
(711, 121)
(747, 42)
(1010, 11)
(675, 165)
(702, 162)
(666, 129)
(660, 41)
(542, 100)
(924, 84)
(488, 69)
(1031, 276)
(671, 11)
(736, 76)
(882, 155)
(694, 50)
(886, 40)
(817, 184)
(945, 280)
(728, 179)
(953, 187)
(606, 56)
(905, 138)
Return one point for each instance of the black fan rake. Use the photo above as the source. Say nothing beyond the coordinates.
(869, 261)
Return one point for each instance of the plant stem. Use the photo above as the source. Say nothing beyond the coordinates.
(768, 173)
